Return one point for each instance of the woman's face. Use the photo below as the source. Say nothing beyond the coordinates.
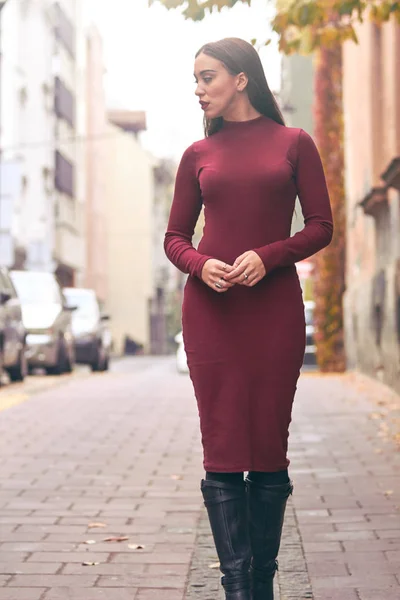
(216, 89)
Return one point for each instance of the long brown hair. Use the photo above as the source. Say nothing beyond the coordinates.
(239, 56)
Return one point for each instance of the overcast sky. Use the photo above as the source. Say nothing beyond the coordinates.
(149, 55)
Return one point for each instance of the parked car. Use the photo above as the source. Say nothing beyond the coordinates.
(181, 359)
(47, 320)
(92, 336)
(309, 355)
(12, 330)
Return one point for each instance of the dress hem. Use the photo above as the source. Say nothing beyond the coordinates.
(237, 469)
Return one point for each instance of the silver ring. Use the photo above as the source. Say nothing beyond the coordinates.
(245, 275)
(218, 285)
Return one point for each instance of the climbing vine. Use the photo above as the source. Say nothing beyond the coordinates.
(329, 281)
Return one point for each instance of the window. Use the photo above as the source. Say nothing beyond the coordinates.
(64, 102)
(64, 176)
(64, 30)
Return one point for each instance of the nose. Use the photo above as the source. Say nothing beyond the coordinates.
(199, 91)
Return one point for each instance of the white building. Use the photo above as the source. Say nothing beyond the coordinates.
(43, 112)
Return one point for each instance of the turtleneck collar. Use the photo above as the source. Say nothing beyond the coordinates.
(241, 124)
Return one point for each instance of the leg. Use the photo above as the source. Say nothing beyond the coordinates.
(267, 498)
(225, 500)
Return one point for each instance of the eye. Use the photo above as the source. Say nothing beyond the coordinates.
(207, 79)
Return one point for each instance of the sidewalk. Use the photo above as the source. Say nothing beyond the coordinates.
(118, 454)
(110, 455)
(346, 469)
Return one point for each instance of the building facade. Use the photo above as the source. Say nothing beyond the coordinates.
(96, 167)
(129, 189)
(43, 116)
(372, 153)
(166, 276)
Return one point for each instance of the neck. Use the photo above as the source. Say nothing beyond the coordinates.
(242, 111)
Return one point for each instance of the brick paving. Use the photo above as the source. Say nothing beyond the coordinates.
(346, 471)
(122, 450)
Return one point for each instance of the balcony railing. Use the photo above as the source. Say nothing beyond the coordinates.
(64, 175)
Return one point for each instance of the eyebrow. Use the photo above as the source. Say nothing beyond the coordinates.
(206, 71)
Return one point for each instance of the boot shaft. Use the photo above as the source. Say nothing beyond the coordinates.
(266, 509)
(227, 512)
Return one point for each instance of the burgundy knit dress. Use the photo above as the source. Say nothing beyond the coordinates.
(245, 347)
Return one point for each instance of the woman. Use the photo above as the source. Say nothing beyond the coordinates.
(243, 313)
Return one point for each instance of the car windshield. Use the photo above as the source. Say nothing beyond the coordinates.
(36, 288)
(85, 301)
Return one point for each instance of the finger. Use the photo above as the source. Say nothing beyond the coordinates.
(240, 259)
(247, 276)
(254, 281)
(219, 284)
(237, 272)
(219, 271)
(223, 273)
(240, 278)
(226, 268)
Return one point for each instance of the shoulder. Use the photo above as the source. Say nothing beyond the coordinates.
(301, 138)
(194, 149)
(188, 159)
(301, 144)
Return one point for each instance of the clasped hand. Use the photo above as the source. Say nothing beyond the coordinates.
(248, 269)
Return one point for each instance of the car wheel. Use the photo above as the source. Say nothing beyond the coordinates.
(63, 364)
(20, 370)
(106, 363)
(101, 362)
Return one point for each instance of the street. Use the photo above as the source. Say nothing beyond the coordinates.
(100, 499)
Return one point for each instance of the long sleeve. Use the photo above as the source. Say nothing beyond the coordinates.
(185, 210)
(314, 199)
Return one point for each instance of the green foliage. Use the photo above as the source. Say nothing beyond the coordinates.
(196, 10)
(304, 25)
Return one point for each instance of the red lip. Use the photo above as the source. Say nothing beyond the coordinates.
(204, 105)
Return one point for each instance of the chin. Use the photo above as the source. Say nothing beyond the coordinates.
(212, 114)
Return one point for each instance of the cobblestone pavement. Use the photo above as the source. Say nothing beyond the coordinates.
(118, 456)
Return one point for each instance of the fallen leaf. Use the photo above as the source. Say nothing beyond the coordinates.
(214, 565)
(92, 525)
(136, 546)
(121, 538)
(90, 564)
(375, 416)
(90, 542)
(176, 477)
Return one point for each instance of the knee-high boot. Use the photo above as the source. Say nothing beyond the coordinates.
(267, 504)
(227, 512)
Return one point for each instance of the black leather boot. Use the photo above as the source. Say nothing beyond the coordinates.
(267, 504)
(227, 511)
